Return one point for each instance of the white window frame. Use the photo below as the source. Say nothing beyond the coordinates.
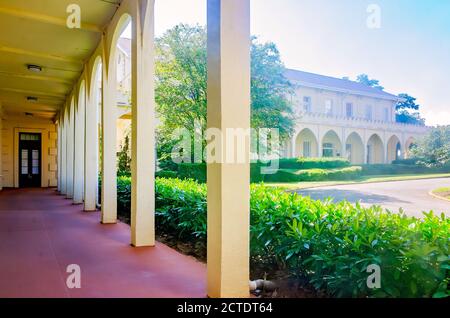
(329, 107)
(307, 104)
(347, 110)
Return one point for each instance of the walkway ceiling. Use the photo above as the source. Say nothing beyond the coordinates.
(35, 32)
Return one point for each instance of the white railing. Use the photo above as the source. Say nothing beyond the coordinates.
(323, 118)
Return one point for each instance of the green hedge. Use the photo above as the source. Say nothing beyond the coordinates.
(394, 169)
(309, 169)
(289, 175)
(313, 163)
(329, 245)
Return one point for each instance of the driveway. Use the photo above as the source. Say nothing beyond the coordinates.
(412, 195)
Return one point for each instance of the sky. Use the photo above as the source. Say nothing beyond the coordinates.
(408, 53)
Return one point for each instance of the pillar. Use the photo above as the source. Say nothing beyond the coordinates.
(109, 130)
(294, 146)
(1, 147)
(78, 181)
(143, 127)
(63, 161)
(91, 149)
(58, 158)
(228, 183)
(70, 150)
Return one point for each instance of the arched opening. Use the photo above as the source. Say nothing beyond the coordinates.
(331, 145)
(408, 145)
(306, 144)
(123, 65)
(354, 148)
(375, 150)
(394, 147)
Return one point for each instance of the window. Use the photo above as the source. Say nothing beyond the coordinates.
(369, 115)
(328, 150)
(349, 109)
(348, 151)
(307, 104)
(307, 149)
(329, 107)
(386, 114)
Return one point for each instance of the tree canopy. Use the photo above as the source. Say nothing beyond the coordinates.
(407, 110)
(434, 148)
(181, 73)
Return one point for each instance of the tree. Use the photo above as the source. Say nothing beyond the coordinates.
(434, 148)
(408, 110)
(364, 79)
(124, 157)
(181, 73)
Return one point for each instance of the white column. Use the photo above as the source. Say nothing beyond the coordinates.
(228, 183)
(78, 181)
(1, 149)
(91, 149)
(109, 130)
(58, 158)
(294, 146)
(63, 161)
(143, 128)
(70, 151)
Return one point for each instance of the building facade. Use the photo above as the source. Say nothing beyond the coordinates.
(341, 118)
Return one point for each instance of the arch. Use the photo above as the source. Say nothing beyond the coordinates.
(408, 145)
(306, 144)
(375, 150)
(394, 149)
(354, 148)
(331, 144)
(121, 25)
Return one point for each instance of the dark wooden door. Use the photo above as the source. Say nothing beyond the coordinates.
(30, 158)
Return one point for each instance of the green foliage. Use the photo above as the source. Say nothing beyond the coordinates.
(434, 148)
(409, 162)
(291, 175)
(398, 169)
(407, 111)
(181, 72)
(124, 158)
(167, 174)
(313, 163)
(364, 79)
(329, 245)
(195, 171)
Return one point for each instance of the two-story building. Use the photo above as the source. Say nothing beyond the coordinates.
(341, 118)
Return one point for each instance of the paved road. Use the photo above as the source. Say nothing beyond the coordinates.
(412, 195)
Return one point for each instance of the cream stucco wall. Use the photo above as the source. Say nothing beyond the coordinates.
(12, 126)
(339, 100)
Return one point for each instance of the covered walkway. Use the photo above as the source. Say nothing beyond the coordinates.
(41, 233)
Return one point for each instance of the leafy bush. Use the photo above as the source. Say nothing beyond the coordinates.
(388, 169)
(330, 245)
(166, 174)
(195, 171)
(289, 175)
(313, 163)
(409, 162)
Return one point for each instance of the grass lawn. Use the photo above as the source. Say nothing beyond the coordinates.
(442, 192)
(364, 179)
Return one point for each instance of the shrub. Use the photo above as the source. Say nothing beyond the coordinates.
(313, 163)
(408, 162)
(330, 245)
(289, 175)
(388, 169)
(166, 174)
(195, 171)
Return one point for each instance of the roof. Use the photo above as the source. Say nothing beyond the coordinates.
(336, 84)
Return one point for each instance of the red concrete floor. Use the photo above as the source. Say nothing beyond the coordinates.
(41, 233)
